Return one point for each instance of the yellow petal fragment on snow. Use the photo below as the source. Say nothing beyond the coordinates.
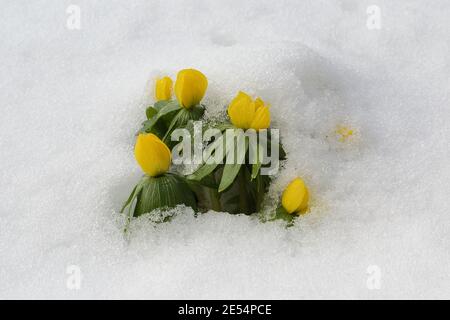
(344, 133)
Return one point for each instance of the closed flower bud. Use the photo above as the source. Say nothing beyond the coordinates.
(245, 113)
(190, 87)
(295, 197)
(152, 154)
(163, 89)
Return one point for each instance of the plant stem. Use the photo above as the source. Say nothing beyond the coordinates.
(243, 205)
(259, 192)
(215, 200)
(214, 197)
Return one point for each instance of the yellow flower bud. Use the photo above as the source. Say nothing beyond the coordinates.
(241, 110)
(152, 154)
(190, 87)
(295, 197)
(163, 89)
(245, 113)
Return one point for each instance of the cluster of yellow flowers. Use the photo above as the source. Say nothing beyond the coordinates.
(154, 156)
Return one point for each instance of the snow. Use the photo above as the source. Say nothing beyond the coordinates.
(73, 99)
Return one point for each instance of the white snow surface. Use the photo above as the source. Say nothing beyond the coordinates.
(72, 100)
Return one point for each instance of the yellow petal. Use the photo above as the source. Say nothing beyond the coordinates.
(295, 197)
(344, 133)
(259, 103)
(190, 87)
(241, 110)
(304, 205)
(261, 119)
(152, 154)
(163, 89)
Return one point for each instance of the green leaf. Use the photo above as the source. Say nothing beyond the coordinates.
(206, 193)
(134, 195)
(130, 198)
(160, 104)
(196, 112)
(182, 118)
(208, 182)
(148, 125)
(203, 171)
(159, 129)
(255, 169)
(165, 191)
(282, 153)
(207, 168)
(240, 197)
(173, 123)
(224, 126)
(256, 166)
(282, 214)
(150, 112)
(231, 170)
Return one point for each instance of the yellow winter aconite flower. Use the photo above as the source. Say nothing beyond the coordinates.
(163, 89)
(295, 197)
(190, 87)
(152, 154)
(245, 113)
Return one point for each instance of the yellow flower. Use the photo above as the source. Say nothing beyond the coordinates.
(152, 154)
(245, 113)
(295, 197)
(163, 89)
(190, 87)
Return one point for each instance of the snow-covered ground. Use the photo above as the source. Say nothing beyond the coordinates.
(71, 101)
